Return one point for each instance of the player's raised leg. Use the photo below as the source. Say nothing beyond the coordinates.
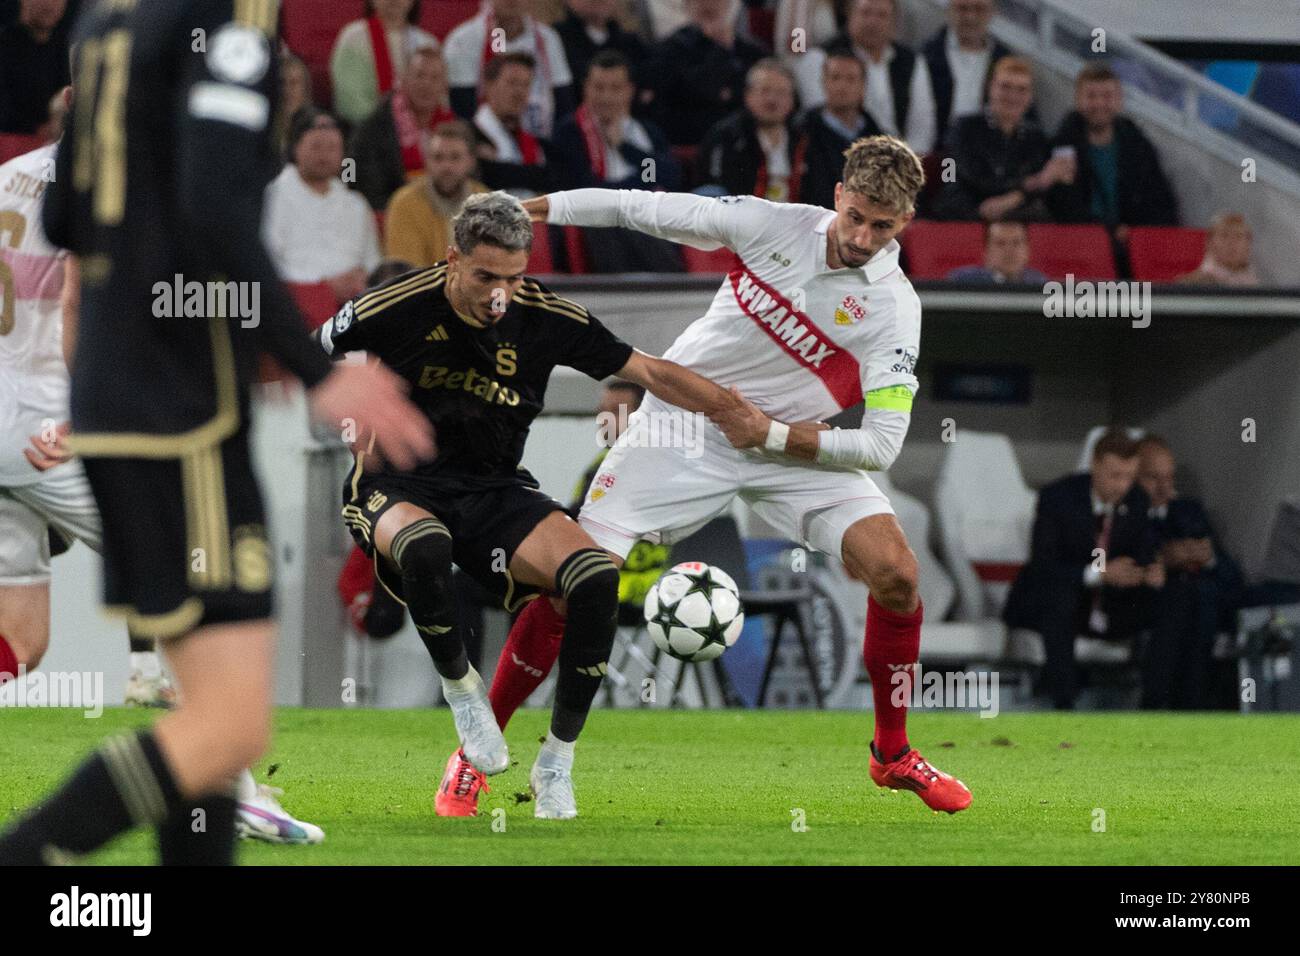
(419, 546)
(876, 552)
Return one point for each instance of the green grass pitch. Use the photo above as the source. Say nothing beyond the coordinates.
(729, 787)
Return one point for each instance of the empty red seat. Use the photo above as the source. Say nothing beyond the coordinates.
(440, 17)
(717, 262)
(540, 260)
(934, 249)
(15, 144)
(1083, 251)
(309, 27)
(1163, 253)
(315, 300)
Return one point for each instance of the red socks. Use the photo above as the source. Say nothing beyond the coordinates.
(530, 651)
(892, 644)
(8, 661)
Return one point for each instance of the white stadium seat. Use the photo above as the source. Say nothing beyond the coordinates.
(986, 515)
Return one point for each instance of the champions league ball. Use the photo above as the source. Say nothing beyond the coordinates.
(693, 612)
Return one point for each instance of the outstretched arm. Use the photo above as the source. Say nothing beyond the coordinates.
(700, 221)
(678, 385)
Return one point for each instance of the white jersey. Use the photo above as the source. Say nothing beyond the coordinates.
(33, 376)
(800, 340)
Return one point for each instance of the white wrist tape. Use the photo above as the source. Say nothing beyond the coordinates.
(777, 434)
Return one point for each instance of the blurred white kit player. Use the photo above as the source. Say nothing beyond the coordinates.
(800, 340)
(34, 402)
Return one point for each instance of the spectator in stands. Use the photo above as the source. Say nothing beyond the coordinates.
(370, 54)
(696, 77)
(590, 27)
(960, 58)
(316, 229)
(1203, 587)
(755, 151)
(1227, 255)
(899, 95)
(417, 228)
(33, 61)
(470, 49)
(1118, 181)
(1003, 164)
(603, 145)
(387, 146)
(827, 131)
(1006, 257)
(510, 157)
(1092, 565)
(295, 93)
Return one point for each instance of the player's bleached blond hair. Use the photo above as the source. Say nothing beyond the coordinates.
(884, 170)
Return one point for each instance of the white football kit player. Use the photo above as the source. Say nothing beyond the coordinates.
(33, 382)
(800, 340)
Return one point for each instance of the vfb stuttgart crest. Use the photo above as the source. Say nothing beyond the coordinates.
(850, 311)
(601, 484)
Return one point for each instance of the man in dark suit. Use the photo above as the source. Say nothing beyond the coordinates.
(590, 27)
(1092, 564)
(1203, 587)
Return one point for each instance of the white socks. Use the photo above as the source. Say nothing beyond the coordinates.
(467, 686)
(556, 752)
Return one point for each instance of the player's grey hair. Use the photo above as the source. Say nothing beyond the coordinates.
(496, 218)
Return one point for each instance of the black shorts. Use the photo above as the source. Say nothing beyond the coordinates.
(185, 540)
(486, 524)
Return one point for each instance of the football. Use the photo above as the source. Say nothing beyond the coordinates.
(693, 612)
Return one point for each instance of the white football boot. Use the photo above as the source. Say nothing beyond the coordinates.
(480, 737)
(149, 685)
(552, 781)
(259, 816)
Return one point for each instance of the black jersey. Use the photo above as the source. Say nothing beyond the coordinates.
(480, 386)
(158, 189)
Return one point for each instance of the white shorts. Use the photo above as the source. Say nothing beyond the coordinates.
(664, 485)
(61, 500)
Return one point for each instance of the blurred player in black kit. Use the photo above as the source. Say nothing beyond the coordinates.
(159, 181)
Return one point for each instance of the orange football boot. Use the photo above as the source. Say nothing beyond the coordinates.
(458, 792)
(911, 771)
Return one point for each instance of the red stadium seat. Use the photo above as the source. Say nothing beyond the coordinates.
(574, 250)
(440, 17)
(762, 26)
(934, 249)
(15, 144)
(719, 261)
(315, 300)
(541, 261)
(1082, 251)
(308, 28)
(1163, 253)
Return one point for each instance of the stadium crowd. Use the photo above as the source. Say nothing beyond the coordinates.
(716, 96)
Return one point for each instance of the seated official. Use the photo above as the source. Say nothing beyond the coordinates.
(1203, 588)
(1092, 565)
